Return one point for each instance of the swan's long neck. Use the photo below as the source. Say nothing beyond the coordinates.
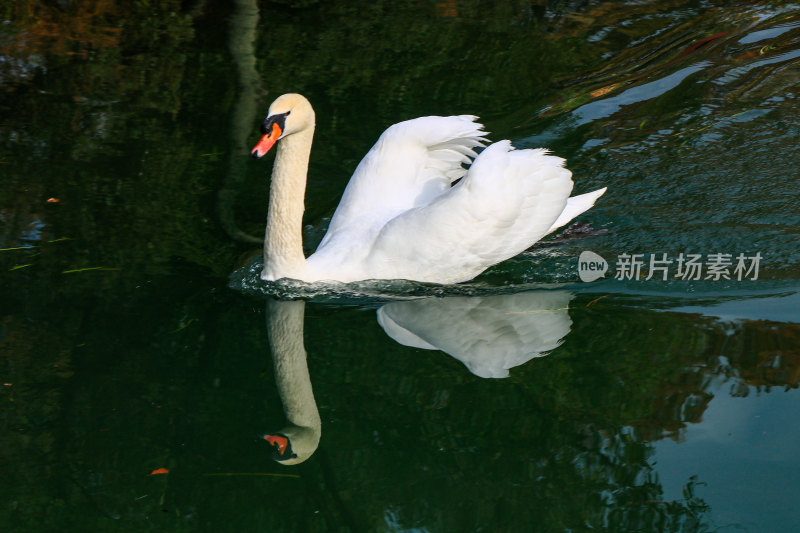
(283, 242)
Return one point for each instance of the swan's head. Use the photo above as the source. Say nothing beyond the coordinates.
(288, 114)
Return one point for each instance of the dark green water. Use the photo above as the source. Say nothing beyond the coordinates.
(133, 326)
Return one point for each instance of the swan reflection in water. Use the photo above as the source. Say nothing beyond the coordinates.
(488, 334)
(299, 439)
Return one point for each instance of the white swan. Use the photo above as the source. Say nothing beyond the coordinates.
(400, 217)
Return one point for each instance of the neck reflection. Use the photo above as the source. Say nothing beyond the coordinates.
(299, 439)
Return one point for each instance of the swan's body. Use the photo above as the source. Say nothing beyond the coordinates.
(400, 217)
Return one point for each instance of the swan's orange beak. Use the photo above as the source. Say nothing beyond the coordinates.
(267, 141)
(278, 442)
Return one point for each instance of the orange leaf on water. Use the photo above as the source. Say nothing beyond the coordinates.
(159, 471)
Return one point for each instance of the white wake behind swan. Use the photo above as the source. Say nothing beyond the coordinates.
(400, 216)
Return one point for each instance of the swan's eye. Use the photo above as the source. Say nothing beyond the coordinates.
(279, 119)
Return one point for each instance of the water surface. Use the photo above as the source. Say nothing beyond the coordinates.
(134, 328)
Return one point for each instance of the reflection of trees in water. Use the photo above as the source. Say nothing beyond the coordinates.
(242, 32)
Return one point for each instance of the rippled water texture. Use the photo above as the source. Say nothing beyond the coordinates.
(143, 361)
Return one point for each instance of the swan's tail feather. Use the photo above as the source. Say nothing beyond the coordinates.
(575, 206)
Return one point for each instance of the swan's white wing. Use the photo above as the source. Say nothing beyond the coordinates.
(508, 200)
(488, 334)
(411, 164)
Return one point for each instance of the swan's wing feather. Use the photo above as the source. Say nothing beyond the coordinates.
(411, 164)
(508, 200)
